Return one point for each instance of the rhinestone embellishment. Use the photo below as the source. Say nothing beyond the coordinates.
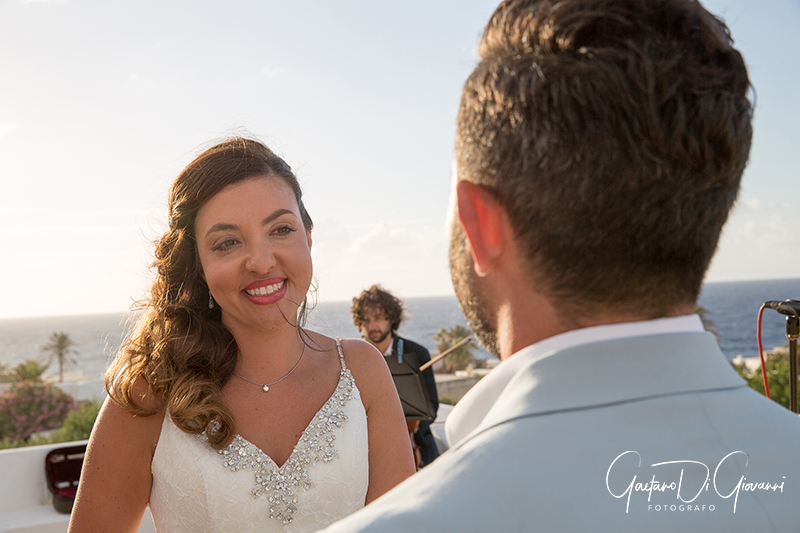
(280, 486)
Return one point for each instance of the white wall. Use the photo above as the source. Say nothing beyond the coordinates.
(25, 502)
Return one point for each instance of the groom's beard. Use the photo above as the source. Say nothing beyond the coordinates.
(473, 303)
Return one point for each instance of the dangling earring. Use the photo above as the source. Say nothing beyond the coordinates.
(210, 300)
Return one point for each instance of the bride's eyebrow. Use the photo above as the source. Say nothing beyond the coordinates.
(221, 226)
(274, 215)
(224, 226)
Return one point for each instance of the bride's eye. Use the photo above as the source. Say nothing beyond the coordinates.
(285, 229)
(224, 245)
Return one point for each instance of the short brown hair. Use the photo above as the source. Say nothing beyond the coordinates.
(615, 134)
(376, 297)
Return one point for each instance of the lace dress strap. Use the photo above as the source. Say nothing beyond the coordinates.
(341, 353)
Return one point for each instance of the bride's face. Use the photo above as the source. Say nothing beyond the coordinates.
(255, 253)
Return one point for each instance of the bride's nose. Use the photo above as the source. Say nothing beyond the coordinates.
(260, 258)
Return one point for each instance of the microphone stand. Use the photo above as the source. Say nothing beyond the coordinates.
(790, 308)
(792, 333)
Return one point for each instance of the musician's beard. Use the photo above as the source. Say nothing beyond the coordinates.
(377, 336)
(468, 291)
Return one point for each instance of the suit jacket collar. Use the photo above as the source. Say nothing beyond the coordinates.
(611, 372)
(474, 406)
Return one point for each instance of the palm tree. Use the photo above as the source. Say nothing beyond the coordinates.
(29, 370)
(62, 348)
(6, 374)
(461, 358)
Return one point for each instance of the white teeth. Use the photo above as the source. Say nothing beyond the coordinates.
(266, 290)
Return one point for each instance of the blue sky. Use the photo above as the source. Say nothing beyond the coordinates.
(103, 102)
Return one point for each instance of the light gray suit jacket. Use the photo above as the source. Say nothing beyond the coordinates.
(654, 433)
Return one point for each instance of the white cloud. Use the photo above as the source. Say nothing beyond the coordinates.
(757, 245)
(272, 72)
(6, 128)
(407, 257)
(111, 213)
(756, 204)
(71, 268)
(69, 230)
(762, 234)
(13, 211)
(44, 222)
(782, 232)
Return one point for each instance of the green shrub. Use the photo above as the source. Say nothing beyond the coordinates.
(77, 426)
(6, 443)
(79, 423)
(29, 407)
(777, 374)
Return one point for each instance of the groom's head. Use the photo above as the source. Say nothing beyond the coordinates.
(612, 135)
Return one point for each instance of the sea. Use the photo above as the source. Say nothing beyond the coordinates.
(732, 307)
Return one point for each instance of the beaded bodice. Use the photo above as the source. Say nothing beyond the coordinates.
(240, 488)
(281, 484)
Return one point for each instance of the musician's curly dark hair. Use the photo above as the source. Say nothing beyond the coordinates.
(376, 297)
(180, 347)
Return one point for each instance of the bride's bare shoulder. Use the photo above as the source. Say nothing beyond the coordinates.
(356, 349)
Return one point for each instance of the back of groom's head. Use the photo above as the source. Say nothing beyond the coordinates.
(614, 133)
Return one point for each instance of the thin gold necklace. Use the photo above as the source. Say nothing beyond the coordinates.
(266, 386)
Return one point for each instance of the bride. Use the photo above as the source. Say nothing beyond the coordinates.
(224, 413)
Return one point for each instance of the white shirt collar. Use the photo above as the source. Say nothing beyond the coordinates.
(388, 350)
(472, 408)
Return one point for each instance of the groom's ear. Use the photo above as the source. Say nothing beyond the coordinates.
(485, 224)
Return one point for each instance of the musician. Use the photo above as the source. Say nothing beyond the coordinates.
(378, 314)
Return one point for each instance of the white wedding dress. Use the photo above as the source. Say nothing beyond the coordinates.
(241, 489)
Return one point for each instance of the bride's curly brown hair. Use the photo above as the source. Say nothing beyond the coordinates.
(179, 346)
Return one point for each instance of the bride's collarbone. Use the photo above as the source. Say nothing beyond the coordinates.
(274, 420)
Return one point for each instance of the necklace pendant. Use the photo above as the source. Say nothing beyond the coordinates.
(266, 388)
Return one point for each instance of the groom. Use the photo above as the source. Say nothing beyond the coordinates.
(599, 149)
